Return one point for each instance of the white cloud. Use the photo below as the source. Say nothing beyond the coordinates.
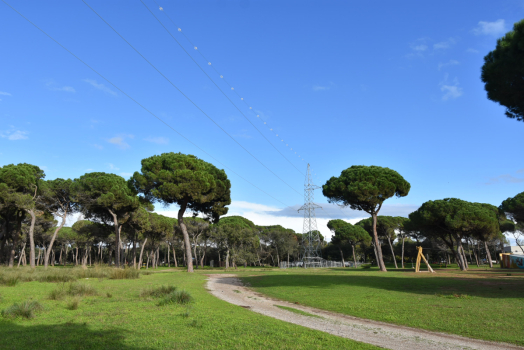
(320, 88)
(5, 93)
(495, 28)
(506, 178)
(450, 90)
(100, 86)
(450, 63)
(158, 140)
(520, 171)
(419, 48)
(98, 146)
(470, 50)
(112, 167)
(120, 141)
(14, 135)
(444, 44)
(65, 88)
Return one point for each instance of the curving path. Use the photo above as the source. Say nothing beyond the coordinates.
(389, 336)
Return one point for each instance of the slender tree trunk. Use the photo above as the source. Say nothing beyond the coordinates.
(288, 259)
(117, 238)
(168, 256)
(466, 265)
(22, 254)
(38, 259)
(46, 260)
(60, 258)
(460, 257)
(189, 258)
(488, 255)
(141, 254)
(227, 259)
(354, 256)
(381, 265)
(341, 255)
(157, 256)
(174, 256)
(13, 250)
(134, 253)
(403, 238)
(392, 252)
(476, 256)
(65, 257)
(76, 256)
(196, 256)
(31, 237)
(376, 254)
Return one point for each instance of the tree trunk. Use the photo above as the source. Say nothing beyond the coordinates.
(403, 251)
(466, 265)
(459, 256)
(354, 256)
(168, 256)
(382, 266)
(287, 259)
(76, 256)
(60, 258)
(46, 260)
(475, 254)
(174, 256)
(488, 255)
(392, 252)
(141, 254)
(38, 259)
(22, 254)
(31, 237)
(341, 256)
(117, 238)
(189, 258)
(65, 257)
(227, 259)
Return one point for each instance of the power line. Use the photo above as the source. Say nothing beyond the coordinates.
(187, 97)
(139, 104)
(218, 87)
(216, 71)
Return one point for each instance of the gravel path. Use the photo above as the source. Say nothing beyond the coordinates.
(389, 336)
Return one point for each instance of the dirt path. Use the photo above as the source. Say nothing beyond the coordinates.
(389, 336)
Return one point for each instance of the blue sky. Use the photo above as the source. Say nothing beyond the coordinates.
(393, 84)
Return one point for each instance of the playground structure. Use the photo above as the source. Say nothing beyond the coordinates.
(419, 257)
(511, 261)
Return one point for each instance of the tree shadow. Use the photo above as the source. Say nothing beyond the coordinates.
(62, 336)
(427, 284)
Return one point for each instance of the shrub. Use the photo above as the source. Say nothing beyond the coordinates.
(73, 303)
(77, 289)
(57, 294)
(123, 274)
(109, 295)
(157, 292)
(146, 273)
(366, 266)
(11, 281)
(26, 309)
(176, 297)
(56, 277)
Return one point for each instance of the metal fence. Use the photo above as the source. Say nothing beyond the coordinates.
(316, 263)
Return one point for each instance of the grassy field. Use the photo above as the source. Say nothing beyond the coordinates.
(481, 303)
(118, 317)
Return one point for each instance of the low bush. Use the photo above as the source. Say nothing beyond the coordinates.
(366, 266)
(157, 292)
(176, 297)
(11, 281)
(124, 274)
(79, 289)
(26, 309)
(73, 303)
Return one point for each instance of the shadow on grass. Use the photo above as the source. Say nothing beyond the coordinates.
(61, 336)
(429, 284)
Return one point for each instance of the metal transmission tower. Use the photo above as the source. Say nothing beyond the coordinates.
(312, 252)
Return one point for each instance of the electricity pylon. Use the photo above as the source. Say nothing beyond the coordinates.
(312, 249)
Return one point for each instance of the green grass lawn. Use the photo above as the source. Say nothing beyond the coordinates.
(481, 303)
(118, 318)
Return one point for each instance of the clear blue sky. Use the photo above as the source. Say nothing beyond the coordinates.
(393, 84)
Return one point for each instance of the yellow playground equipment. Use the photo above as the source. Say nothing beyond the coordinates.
(421, 256)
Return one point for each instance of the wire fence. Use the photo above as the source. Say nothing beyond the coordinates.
(316, 263)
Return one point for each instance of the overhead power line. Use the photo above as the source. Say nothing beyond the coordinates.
(139, 104)
(189, 99)
(216, 71)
